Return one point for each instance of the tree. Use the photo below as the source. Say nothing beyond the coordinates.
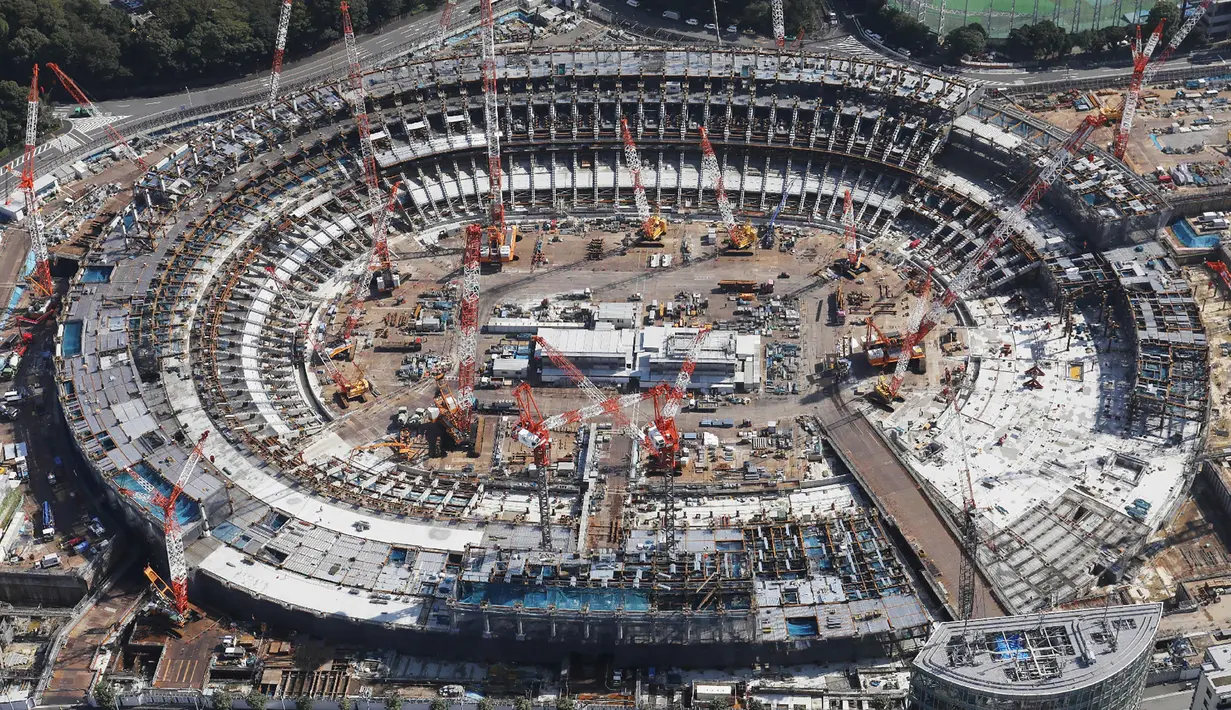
(393, 701)
(966, 41)
(756, 704)
(522, 703)
(344, 703)
(485, 704)
(303, 702)
(256, 700)
(719, 704)
(439, 704)
(1167, 11)
(105, 695)
(223, 700)
(1043, 40)
(564, 702)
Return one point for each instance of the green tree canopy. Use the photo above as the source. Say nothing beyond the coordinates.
(966, 41)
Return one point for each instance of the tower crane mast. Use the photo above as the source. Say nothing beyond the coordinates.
(1141, 59)
(173, 535)
(84, 102)
(446, 14)
(738, 236)
(779, 22)
(40, 278)
(853, 256)
(928, 311)
(653, 227)
(284, 25)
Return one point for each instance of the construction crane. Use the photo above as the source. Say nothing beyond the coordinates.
(446, 14)
(173, 536)
(347, 389)
(88, 106)
(378, 258)
(969, 529)
(653, 226)
(386, 278)
(40, 278)
(1141, 58)
(275, 78)
(1194, 17)
(768, 232)
(775, 7)
(928, 312)
(458, 409)
(740, 237)
(853, 264)
(501, 238)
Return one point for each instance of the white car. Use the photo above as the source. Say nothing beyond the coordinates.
(732, 29)
(691, 22)
(633, 3)
(711, 27)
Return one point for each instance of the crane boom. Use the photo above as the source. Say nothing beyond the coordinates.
(634, 166)
(177, 566)
(84, 102)
(40, 278)
(1141, 59)
(610, 405)
(446, 15)
(284, 25)
(1190, 22)
(779, 22)
(849, 231)
(711, 172)
(928, 312)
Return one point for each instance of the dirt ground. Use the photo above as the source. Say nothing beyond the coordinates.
(1216, 315)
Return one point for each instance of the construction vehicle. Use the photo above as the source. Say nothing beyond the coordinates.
(884, 349)
(746, 286)
(653, 227)
(346, 390)
(926, 313)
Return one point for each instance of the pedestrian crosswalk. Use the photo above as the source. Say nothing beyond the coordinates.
(86, 126)
(853, 47)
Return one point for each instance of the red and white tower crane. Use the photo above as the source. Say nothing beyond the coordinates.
(275, 77)
(928, 311)
(378, 259)
(173, 535)
(496, 234)
(652, 226)
(775, 7)
(738, 237)
(84, 102)
(1141, 59)
(854, 257)
(1191, 21)
(446, 14)
(40, 278)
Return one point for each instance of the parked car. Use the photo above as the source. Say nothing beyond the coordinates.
(691, 22)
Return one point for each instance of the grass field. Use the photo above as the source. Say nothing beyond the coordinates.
(999, 16)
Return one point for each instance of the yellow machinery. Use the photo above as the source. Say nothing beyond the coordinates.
(742, 238)
(498, 247)
(165, 595)
(654, 228)
(403, 446)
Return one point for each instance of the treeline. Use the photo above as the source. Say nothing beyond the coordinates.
(806, 15)
(1041, 41)
(165, 46)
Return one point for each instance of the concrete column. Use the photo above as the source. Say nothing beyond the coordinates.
(743, 181)
(594, 172)
(658, 174)
(679, 182)
(487, 624)
(833, 128)
(764, 182)
(553, 180)
(837, 193)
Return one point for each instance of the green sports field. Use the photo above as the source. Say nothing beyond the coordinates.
(999, 16)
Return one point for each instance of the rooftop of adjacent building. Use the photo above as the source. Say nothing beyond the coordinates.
(1040, 654)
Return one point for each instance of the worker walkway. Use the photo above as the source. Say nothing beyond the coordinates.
(898, 497)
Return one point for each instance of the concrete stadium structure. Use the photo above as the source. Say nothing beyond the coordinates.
(192, 332)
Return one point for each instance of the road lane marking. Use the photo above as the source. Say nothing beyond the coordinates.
(152, 103)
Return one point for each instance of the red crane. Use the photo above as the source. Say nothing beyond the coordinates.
(284, 24)
(379, 262)
(84, 102)
(854, 257)
(40, 278)
(445, 15)
(173, 535)
(927, 313)
(1141, 58)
